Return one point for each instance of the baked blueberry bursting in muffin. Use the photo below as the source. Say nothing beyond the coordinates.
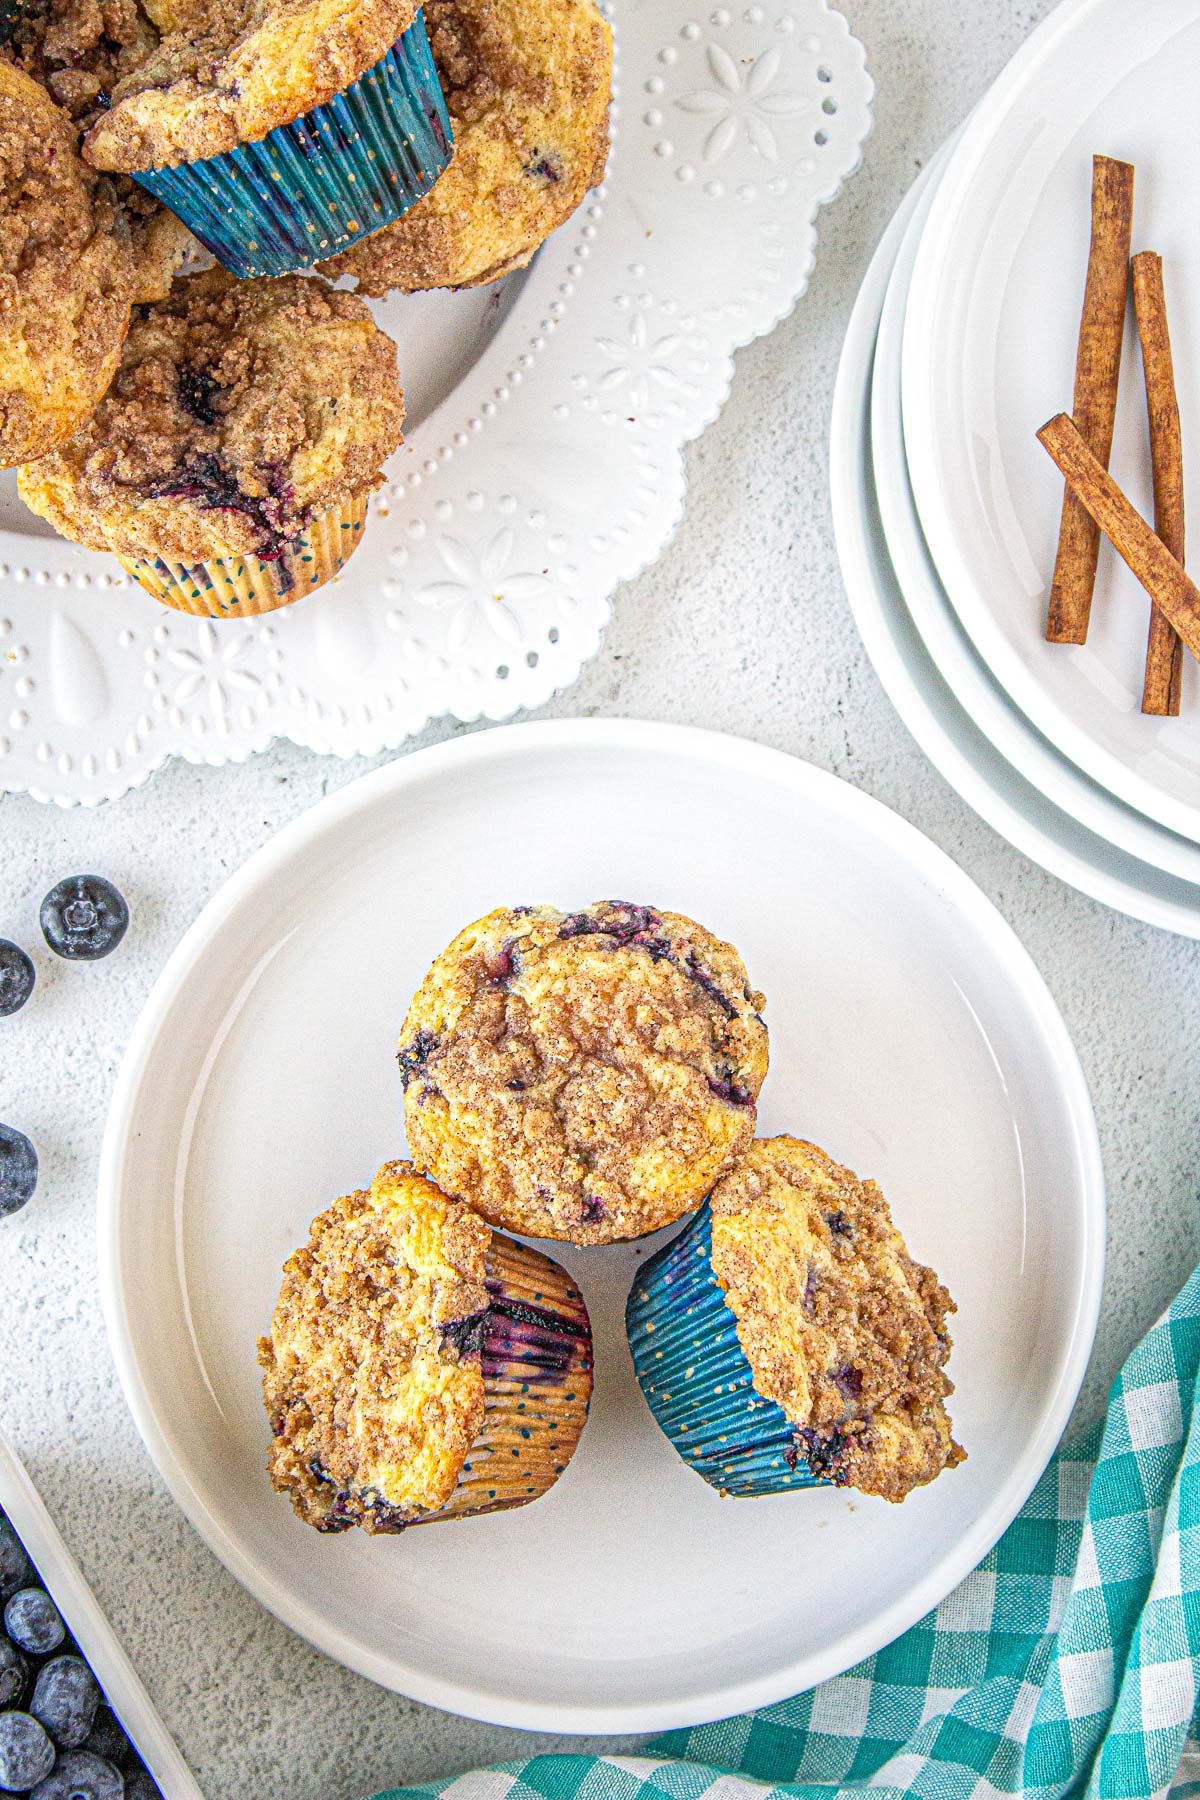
(240, 414)
(583, 1075)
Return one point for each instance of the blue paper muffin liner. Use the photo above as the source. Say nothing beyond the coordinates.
(334, 175)
(697, 1380)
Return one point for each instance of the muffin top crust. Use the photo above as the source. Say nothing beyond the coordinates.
(374, 1396)
(78, 50)
(65, 274)
(226, 72)
(586, 1075)
(527, 85)
(842, 1329)
(241, 410)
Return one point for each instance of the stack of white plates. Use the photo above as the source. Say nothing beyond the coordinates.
(946, 508)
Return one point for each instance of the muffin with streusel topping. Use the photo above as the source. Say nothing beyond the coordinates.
(279, 130)
(585, 1075)
(65, 275)
(78, 50)
(787, 1338)
(420, 1366)
(528, 84)
(230, 463)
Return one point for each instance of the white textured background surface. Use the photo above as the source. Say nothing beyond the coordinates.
(742, 626)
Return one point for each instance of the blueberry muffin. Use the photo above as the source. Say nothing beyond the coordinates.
(788, 1338)
(420, 1366)
(586, 1075)
(527, 83)
(78, 50)
(280, 130)
(230, 462)
(65, 275)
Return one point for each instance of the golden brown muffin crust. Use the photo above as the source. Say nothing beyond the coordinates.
(841, 1328)
(226, 72)
(65, 274)
(584, 1076)
(373, 1409)
(527, 85)
(241, 410)
(78, 50)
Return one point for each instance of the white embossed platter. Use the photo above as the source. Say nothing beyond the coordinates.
(543, 462)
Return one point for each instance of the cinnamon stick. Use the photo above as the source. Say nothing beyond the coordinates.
(1164, 652)
(1097, 373)
(1163, 577)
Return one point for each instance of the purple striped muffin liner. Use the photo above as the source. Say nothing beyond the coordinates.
(334, 175)
(697, 1380)
(535, 1347)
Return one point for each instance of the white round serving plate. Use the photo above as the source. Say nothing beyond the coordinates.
(972, 684)
(989, 356)
(543, 462)
(955, 745)
(911, 1035)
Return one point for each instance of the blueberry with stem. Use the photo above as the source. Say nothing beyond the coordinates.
(17, 976)
(18, 1177)
(84, 918)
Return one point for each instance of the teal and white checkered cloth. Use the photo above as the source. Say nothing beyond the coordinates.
(1068, 1663)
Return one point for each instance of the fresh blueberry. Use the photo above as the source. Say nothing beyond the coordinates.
(17, 977)
(84, 918)
(16, 1570)
(107, 1737)
(18, 1179)
(14, 1672)
(65, 1698)
(33, 1622)
(26, 1753)
(141, 1785)
(78, 1775)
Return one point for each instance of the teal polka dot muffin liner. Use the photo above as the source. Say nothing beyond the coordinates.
(334, 175)
(697, 1380)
